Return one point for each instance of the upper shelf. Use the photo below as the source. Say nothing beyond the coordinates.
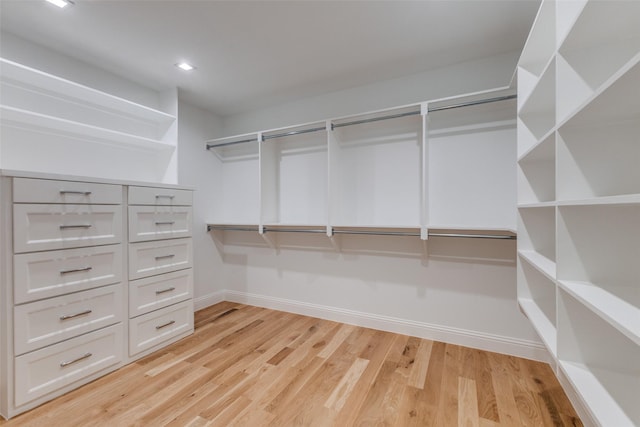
(50, 85)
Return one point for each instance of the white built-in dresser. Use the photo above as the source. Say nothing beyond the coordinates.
(94, 275)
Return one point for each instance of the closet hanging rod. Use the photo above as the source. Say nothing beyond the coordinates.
(229, 228)
(470, 103)
(475, 236)
(414, 113)
(374, 119)
(224, 144)
(293, 230)
(295, 132)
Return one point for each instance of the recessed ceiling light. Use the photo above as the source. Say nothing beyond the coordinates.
(185, 66)
(61, 3)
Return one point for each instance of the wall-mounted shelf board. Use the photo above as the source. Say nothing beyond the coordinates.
(541, 263)
(65, 89)
(29, 120)
(545, 329)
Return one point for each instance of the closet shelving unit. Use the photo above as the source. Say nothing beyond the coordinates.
(371, 174)
(43, 112)
(579, 200)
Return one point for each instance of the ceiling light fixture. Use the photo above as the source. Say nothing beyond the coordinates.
(185, 66)
(61, 3)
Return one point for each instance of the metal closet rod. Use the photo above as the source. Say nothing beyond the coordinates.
(362, 121)
(363, 232)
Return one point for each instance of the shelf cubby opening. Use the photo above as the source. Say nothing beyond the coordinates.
(471, 164)
(537, 298)
(538, 111)
(294, 177)
(376, 171)
(541, 44)
(600, 160)
(537, 234)
(537, 173)
(600, 362)
(598, 249)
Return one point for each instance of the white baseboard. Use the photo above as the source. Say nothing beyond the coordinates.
(208, 300)
(489, 342)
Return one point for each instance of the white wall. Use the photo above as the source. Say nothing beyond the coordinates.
(474, 76)
(30, 54)
(195, 169)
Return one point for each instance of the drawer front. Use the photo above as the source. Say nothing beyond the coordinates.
(151, 258)
(156, 292)
(49, 321)
(29, 190)
(45, 227)
(160, 196)
(158, 326)
(48, 274)
(51, 368)
(159, 222)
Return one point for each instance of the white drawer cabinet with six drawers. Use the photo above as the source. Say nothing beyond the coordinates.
(94, 274)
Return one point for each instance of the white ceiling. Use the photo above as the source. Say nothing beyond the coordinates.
(251, 54)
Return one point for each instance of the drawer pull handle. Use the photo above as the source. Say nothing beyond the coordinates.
(164, 256)
(165, 290)
(169, 323)
(75, 270)
(64, 227)
(71, 362)
(168, 196)
(83, 193)
(165, 222)
(72, 316)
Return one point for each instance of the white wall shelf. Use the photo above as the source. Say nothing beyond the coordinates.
(579, 204)
(40, 123)
(79, 130)
(52, 86)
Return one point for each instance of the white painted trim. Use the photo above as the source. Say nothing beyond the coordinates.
(480, 340)
(205, 301)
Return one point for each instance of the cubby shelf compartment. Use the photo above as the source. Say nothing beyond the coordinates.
(598, 247)
(539, 49)
(293, 175)
(29, 89)
(537, 236)
(538, 111)
(32, 122)
(612, 305)
(376, 169)
(238, 186)
(541, 263)
(537, 299)
(600, 363)
(604, 40)
(537, 173)
(598, 150)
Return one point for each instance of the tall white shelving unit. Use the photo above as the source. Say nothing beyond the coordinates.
(384, 172)
(579, 200)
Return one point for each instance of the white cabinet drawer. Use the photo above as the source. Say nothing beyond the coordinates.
(156, 292)
(159, 222)
(47, 274)
(158, 326)
(28, 190)
(45, 227)
(49, 321)
(151, 258)
(160, 196)
(51, 368)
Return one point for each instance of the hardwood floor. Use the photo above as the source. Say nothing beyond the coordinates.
(248, 366)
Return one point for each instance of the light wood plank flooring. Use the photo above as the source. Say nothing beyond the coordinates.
(249, 366)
